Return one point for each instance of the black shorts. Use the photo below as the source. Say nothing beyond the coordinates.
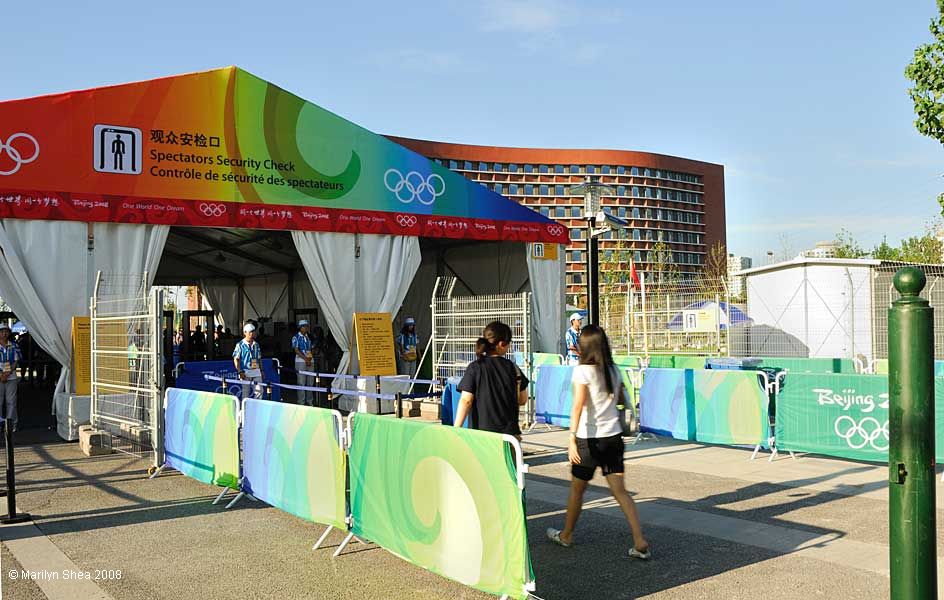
(606, 453)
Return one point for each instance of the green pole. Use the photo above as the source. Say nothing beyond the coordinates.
(911, 504)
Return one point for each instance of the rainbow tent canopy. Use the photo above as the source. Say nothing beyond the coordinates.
(226, 149)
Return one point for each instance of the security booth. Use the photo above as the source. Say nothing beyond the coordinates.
(198, 327)
(269, 203)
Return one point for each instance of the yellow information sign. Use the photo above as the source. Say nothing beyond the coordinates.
(82, 355)
(373, 334)
(544, 251)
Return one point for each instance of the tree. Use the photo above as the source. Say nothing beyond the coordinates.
(847, 246)
(926, 71)
(665, 272)
(884, 251)
(715, 274)
(925, 249)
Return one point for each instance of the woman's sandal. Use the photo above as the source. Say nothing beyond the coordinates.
(554, 536)
(640, 554)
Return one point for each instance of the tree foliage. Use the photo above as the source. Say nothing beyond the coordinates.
(925, 249)
(847, 246)
(926, 72)
(715, 274)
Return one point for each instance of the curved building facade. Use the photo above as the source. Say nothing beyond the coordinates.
(676, 201)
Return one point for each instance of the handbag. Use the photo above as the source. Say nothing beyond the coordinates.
(622, 403)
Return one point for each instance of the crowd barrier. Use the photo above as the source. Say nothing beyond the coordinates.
(795, 365)
(450, 402)
(447, 499)
(293, 459)
(201, 437)
(843, 415)
(553, 398)
(847, 366)
(192, 376)
(715, 407)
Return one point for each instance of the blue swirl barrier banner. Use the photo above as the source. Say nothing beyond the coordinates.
(553, 398)
(716, 407)
(443, 498)
(292, 459)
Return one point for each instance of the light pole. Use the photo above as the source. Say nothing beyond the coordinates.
(592, 191)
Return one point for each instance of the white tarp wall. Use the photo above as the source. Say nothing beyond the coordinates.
(356, 273)
(547, 301)
(815, 310)
(223, 295)
(47, 271)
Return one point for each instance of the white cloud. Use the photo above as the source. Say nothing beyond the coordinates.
(830, 224)
(412, 59)
(526, 16)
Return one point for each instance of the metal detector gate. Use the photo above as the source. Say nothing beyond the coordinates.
(458, 322)
(127, 363)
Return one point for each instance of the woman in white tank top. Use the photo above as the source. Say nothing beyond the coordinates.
(596, 438)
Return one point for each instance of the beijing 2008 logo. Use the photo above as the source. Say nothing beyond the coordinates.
(20, 154)
(414, 187)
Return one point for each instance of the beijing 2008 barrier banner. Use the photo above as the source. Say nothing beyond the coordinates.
(190, 376)
(293, 460)
(443, 498)
(842, 415)
(201, 436)
(224, 148)
(716, 407)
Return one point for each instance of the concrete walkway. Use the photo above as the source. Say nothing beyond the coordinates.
(721, 526)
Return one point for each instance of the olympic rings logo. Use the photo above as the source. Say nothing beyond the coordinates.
(212, 210)
(867, 431)
(406, 220)
(413, 186)
(18, 159)
(555, 229)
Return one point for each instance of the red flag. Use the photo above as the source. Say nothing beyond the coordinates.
(633, 275)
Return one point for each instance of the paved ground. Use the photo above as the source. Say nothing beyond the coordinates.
(721, 526)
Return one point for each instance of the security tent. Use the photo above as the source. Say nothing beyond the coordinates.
(225, 179)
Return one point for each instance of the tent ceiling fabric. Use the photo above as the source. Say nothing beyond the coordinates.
(193, 253)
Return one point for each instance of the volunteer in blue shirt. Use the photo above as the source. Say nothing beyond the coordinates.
(406, 348)
(304, 361)
(571, 340)
(247, 356)
(9, 357)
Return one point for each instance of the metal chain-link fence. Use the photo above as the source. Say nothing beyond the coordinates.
(690, 316)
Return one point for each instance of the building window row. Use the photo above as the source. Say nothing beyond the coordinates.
(622, 191)
(468, 165)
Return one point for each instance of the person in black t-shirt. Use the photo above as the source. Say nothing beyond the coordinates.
(493, 387)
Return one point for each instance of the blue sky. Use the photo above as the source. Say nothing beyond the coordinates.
(803, 102)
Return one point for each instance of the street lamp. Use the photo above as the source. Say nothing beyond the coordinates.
(598, 222)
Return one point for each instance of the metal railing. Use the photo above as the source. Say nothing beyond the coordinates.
(127, 359)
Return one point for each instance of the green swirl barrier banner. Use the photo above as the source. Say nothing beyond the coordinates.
(443, 498)
(201, 436)
(842, 415)
(292, 459)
